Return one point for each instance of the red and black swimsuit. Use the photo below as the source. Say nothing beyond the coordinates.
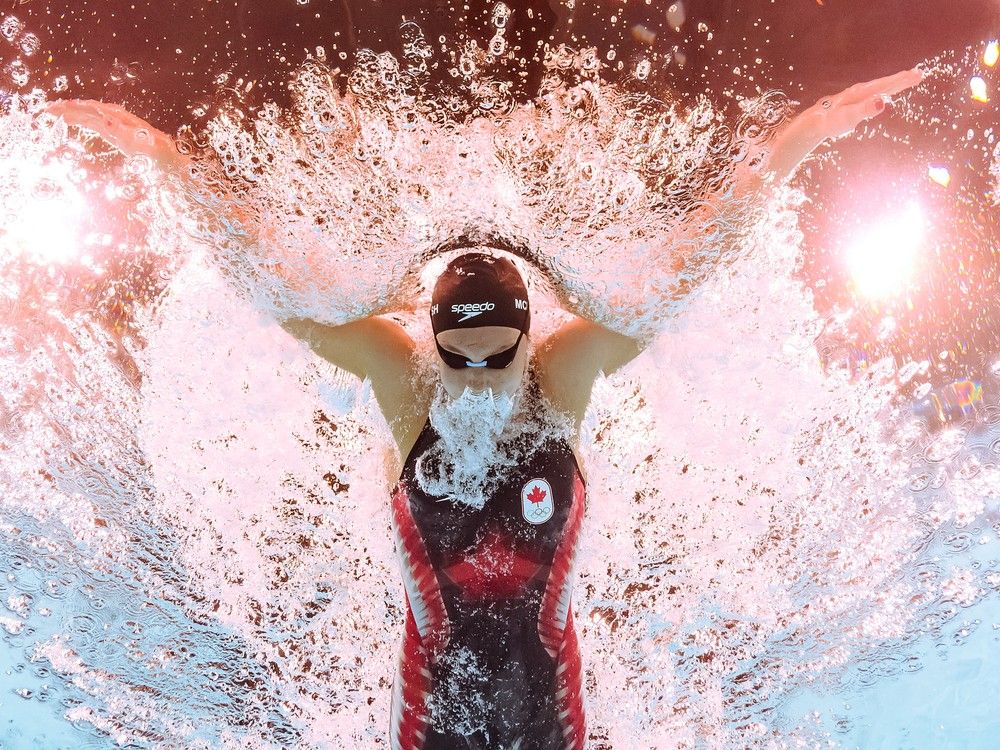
(490, 658)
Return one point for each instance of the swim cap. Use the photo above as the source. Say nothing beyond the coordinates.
(477, 290)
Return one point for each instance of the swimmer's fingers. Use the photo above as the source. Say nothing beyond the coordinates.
(842, 118)
(840, 114)
(130, 134)
(887, 86)
(834, 116)
(102, 118)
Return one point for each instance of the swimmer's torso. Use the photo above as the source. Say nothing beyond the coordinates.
(490, 658)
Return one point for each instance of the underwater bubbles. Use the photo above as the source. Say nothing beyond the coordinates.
(195, 529)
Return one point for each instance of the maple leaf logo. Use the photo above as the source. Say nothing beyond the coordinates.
(537, 494)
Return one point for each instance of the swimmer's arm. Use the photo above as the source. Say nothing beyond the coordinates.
(370, 347)
(572, 358)
(723, 214)
(133, 136)
(376, 348)
(370, 343)
(830, 118)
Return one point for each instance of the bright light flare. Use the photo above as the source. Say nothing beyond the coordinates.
(978, 87)
(992, 54)
(940, 175)
(882, 259)
(44, 225)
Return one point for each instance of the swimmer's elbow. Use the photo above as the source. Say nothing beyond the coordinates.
(303, 329)
(620, 352)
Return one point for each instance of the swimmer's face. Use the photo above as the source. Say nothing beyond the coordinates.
(477, 344)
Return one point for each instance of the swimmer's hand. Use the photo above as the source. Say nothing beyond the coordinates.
(832, 117)
(131, 135)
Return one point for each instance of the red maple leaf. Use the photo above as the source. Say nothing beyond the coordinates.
(537, 494)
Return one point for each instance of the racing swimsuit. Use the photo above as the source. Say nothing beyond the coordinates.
(490, 659)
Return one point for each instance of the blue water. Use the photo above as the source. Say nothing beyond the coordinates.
(948, 702)
(941, 691)
(945, 697)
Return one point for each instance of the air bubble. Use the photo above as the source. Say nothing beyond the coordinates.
(29, 44)
(498, 45)
(676, 15)
(18, 73)
(501, 15)
(467, 66)
(10, 27)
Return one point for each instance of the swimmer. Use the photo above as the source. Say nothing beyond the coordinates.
(488, 496)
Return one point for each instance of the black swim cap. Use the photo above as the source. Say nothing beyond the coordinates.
(477, 290)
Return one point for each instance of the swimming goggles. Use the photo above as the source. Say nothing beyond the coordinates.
(497, 361)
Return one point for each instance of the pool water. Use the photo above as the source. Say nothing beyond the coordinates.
(784, 547)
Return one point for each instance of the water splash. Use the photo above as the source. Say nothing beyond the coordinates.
(193, 513)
